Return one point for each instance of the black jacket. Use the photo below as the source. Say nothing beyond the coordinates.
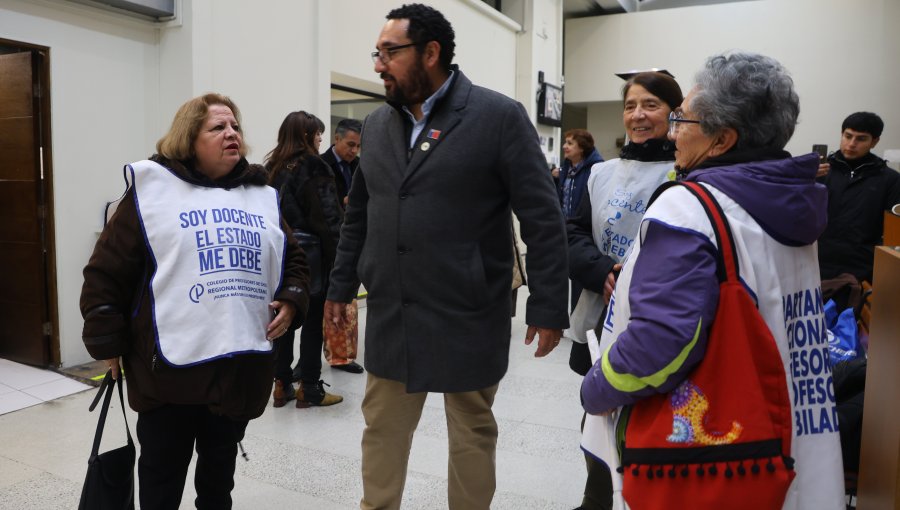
(342, 189)
(857, 200)
(309, 202)
(427, 232)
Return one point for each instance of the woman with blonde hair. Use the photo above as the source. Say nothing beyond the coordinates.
(190, 280)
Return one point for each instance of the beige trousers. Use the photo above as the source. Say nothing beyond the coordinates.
(392, 415)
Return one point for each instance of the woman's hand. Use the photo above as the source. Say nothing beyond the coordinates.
(610, 283)
(113, 364)
(284, 316)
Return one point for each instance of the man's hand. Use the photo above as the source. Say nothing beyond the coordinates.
(824, 168)
(336, 314)
(610, 284)
(284, 316)
(548, 339)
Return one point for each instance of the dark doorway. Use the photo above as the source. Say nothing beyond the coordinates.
(28, 308)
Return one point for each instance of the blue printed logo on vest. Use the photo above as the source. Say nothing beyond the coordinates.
(622, 199)
(615, 243)
(196, 292)
(608, 321)
(810, 371)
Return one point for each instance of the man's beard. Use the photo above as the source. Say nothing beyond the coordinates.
(415, 91)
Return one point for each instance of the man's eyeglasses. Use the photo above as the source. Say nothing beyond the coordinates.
(677, 117)
(386, 54)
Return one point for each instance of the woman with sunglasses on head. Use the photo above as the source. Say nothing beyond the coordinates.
(309, 203)
(603, 229)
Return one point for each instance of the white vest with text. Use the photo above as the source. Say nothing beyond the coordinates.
(218, 257)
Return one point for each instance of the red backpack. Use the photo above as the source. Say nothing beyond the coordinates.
(722, 438)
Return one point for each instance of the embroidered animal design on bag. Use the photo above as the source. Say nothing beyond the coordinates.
(689, 408)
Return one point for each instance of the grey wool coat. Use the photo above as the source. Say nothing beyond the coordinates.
(427, 231)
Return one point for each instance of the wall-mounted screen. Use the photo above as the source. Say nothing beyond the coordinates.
(550, 104)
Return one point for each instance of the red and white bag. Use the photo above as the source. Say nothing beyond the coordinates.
(722, 439)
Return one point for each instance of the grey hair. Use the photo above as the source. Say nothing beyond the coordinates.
(346, 125)
(750, 93)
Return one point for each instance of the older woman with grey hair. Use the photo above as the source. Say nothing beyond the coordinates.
(730, 134)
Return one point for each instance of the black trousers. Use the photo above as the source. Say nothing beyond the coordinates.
(311, 340)
(167, 436)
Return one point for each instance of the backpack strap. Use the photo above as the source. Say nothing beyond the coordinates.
(659, 190)
(727, 266)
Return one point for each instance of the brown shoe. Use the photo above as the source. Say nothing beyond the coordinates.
(315, 395)
(282, 395)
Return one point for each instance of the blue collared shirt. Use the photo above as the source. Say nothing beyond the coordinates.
(419, 125)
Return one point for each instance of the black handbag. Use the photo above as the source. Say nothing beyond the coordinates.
(312, 247)
(109, 483)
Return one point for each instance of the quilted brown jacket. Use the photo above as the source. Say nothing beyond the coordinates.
(118, 318)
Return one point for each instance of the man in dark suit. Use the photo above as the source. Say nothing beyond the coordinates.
(343, 160)
(343, 157)
(427, 231)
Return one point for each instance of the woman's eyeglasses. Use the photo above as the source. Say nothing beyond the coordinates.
(677, 117)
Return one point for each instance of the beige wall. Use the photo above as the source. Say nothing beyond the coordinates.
(264, 55)
(842, 55)
(485, 45)
(604, 121)
(104, 92)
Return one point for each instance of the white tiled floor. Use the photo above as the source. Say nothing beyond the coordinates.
(310, 458)
(22, 386)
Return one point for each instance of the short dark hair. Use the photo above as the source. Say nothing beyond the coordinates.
(348, 125)
(660, 85)
(583, 138)
(428, 24)
(864, 122)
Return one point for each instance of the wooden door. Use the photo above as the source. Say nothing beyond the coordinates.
(24, 323)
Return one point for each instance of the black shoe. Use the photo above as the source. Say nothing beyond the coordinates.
(352, 367)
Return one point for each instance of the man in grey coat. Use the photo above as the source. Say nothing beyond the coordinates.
(427, 231)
